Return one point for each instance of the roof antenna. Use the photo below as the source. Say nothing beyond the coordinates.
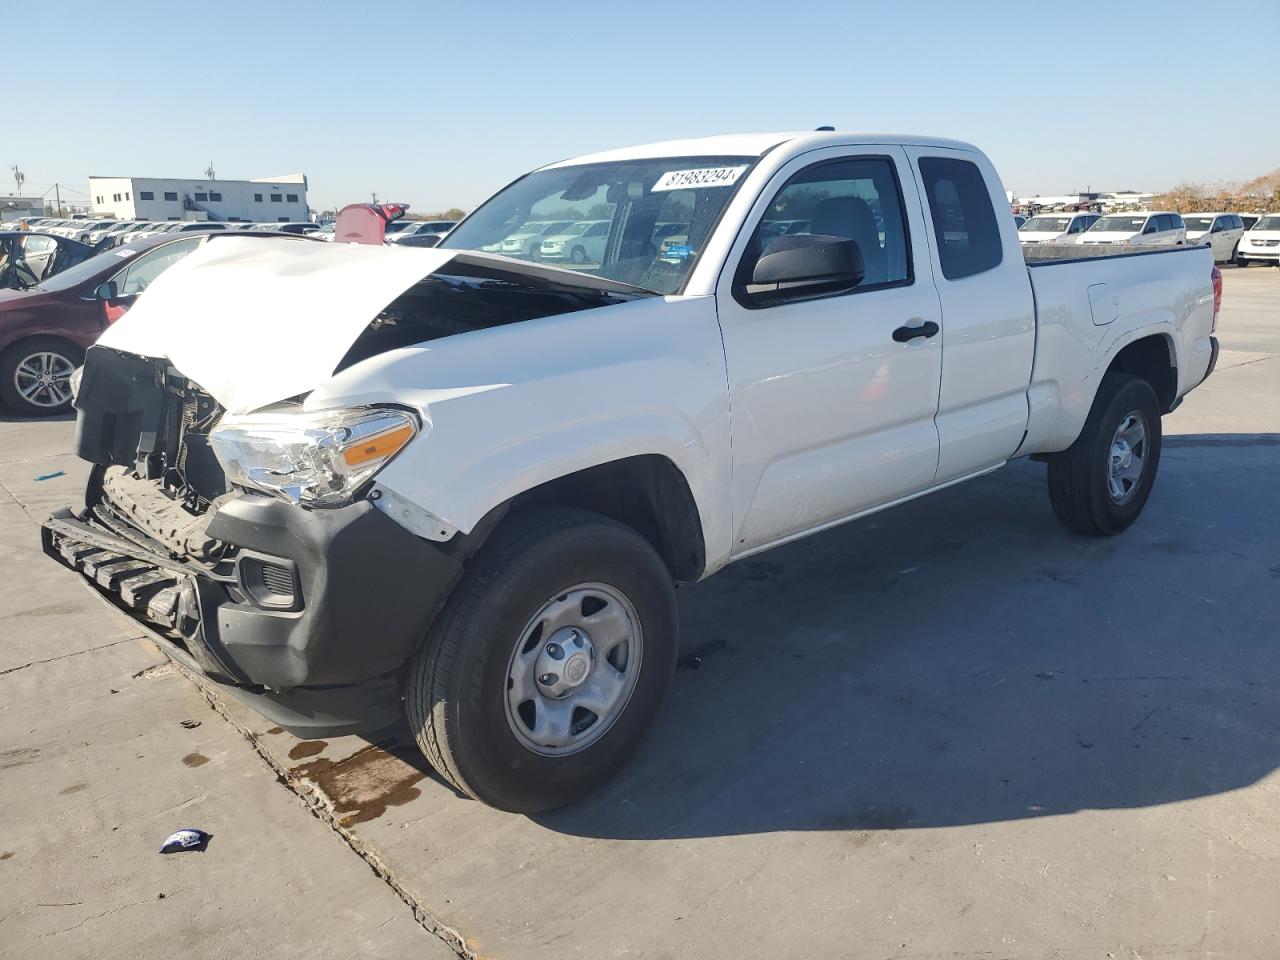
(824, 129)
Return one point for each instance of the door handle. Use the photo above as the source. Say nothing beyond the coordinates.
(907, 334)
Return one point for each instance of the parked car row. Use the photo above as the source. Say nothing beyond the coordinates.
(94, 232)
(1225, 232)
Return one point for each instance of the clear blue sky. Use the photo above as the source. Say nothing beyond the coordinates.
(441, 103)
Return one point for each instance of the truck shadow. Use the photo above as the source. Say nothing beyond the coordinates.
(963, 660)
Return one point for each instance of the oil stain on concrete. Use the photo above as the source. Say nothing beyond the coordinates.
(307, 748)
(362, 786)
(195, 759)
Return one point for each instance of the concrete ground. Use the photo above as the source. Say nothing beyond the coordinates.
(951, 730)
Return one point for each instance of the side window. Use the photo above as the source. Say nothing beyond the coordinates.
(963, 219)
(33, 246)
(1152, 225)
(597, 230)
(857, 199)
(139, 274)
(1175, 222)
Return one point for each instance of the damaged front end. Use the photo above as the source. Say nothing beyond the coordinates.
(307, 613)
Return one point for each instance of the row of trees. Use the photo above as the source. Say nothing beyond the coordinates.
(1258, 196)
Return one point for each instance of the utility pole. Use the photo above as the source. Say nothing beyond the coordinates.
(57, 192)
(375, 196)
(18, 177)
(209, 172)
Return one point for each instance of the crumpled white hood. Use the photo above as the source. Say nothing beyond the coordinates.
(254, 320)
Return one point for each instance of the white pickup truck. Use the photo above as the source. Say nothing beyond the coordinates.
(349, 483)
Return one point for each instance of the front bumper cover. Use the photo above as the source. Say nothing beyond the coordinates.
(320, 662)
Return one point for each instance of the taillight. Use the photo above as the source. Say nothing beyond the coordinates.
(1217, 297)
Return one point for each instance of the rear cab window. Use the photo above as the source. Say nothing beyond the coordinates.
(964, 221)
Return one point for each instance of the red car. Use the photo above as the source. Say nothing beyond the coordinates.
(45, 329)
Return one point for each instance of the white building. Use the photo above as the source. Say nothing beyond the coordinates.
(152, 198)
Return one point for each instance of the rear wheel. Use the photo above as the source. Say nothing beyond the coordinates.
(542, 672)
(35, 375)
(1100, 484)
(578, 255)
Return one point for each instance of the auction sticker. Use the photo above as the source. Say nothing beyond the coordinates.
(699, 178)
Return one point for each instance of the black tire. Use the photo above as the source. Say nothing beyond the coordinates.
(1079, 476)
(13, 357)
(1240, 261)
(456, 689)
(578, 255)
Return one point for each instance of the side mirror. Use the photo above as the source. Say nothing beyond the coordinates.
(107, 291)
(805, 265)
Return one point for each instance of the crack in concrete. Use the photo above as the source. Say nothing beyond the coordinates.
(105, 913)
(73, 653)
(1245, 363)
(317, 803)
(14, 497)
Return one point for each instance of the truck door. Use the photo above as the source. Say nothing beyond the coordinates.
(988, 314)
(832, 397)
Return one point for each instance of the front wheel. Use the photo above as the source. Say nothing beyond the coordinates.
(1100, 484)
(541, 674)
(578, 255)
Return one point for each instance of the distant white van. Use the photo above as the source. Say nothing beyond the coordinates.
(1056, 227)
(1222, 231)
(1156, 228)
(1261, 243)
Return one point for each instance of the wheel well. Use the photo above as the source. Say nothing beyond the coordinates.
(1151, 359)
(647, 493)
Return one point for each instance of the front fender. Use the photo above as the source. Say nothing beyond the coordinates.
(507, 409)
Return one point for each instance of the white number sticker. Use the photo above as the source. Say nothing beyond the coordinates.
(697, 179)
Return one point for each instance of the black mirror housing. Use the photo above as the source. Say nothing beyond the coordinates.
(805, 265)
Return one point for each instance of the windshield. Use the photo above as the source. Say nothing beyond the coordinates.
(1267, 223)
(1118, 225)
(630, 198)
(1046, 225)
(87, 270)
(1198, 224)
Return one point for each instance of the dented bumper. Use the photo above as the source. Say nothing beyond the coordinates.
(310, 621)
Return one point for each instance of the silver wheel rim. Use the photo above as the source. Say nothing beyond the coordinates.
(1128, 457)
(573, 669)
(44, 379)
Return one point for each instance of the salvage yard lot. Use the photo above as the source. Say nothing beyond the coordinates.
(950, 730)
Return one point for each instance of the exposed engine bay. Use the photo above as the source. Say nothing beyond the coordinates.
(471, 297)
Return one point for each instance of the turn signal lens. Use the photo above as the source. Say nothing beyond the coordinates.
(377, 447)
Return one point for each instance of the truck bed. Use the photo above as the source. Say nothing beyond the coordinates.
(1088, 306)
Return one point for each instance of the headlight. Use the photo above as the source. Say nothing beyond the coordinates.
(315, 459)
